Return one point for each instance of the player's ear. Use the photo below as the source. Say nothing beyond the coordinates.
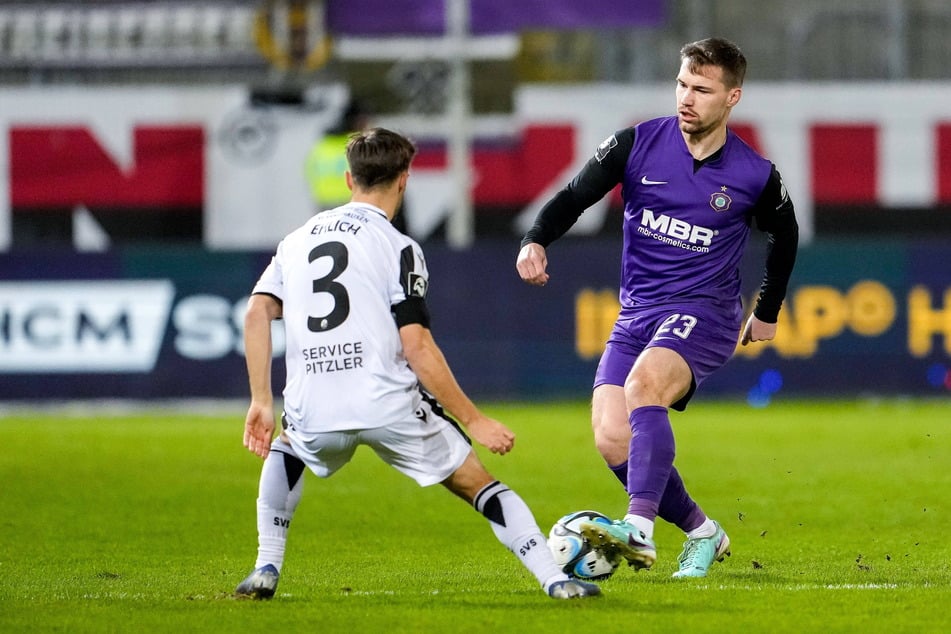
(734, 97)
(349, 178)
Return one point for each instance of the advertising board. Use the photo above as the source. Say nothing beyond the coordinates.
(861, 317)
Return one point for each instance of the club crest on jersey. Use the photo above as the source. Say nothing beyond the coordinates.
(605, 147)
(417, 285)
(720, 201)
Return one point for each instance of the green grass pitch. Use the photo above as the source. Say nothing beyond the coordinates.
(839, 514)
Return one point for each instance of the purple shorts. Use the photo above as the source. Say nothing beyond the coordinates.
(704, 336)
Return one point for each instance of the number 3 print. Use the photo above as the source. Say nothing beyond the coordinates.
(327, 284)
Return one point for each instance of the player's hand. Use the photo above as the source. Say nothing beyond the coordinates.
(532, 263)
(492, 434)
(259, 428)
(757, 330)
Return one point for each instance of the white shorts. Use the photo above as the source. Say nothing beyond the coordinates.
(428, 447)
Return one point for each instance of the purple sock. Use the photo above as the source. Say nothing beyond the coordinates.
(620, 472)
(650, 459)
(677, 507)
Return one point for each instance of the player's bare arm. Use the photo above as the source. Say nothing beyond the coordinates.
(259, 422)
(429, 364)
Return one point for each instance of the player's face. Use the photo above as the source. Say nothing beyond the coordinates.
(703, 100)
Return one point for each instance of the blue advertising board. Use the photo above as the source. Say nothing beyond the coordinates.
(861, 317)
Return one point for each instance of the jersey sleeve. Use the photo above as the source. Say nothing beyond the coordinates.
(775, 214)
(271, 281)
(408, 299)
(600, 175)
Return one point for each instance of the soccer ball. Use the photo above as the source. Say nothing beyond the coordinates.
(573, 552)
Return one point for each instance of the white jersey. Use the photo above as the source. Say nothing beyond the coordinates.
(338, 277)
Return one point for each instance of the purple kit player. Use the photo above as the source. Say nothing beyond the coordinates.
(692, 190)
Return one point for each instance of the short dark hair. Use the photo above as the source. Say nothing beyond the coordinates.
(715, 51)
(378, 156)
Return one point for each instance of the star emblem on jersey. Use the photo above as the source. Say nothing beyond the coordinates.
(720, 201)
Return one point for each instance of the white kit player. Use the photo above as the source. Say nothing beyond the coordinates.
(363, 368)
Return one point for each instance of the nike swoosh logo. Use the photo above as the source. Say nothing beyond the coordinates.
(645, 181)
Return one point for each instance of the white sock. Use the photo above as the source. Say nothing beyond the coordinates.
(514, 525)
(279, 492)
(643, 524)
(707, 529)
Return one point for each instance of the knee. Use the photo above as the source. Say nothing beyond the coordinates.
(659, 377)
(636, 392)
(641, 390)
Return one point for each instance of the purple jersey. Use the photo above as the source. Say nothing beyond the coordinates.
(686, 222)
(685, 229)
